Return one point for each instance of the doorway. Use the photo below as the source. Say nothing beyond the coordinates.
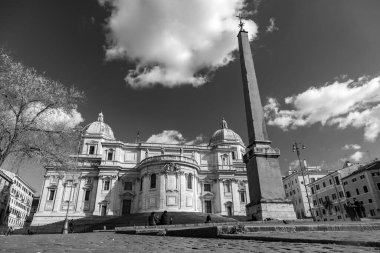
(127, 203)
(103, 210)
(208, 206)
(229, 210)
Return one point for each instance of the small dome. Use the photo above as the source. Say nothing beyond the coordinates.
(99, 129)
(225, 136)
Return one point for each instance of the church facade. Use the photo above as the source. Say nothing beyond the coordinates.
(117, 178)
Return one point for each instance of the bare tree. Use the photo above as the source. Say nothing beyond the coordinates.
(37, 114)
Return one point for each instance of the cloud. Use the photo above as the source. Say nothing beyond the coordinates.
(357, 156)
(351, 147)
(53, 118)
(272, 26)
(173, 137)
(294, 165)
(173, 42)
(341, 104)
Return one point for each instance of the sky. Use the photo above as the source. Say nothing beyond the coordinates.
(169, 69)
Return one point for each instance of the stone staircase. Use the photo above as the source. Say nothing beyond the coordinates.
(81, 225)
(141, 219)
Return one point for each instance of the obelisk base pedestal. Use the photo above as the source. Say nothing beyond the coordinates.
(282, 210)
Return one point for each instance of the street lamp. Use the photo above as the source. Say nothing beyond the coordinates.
(65, 229)
(296, 148)
(66, 224)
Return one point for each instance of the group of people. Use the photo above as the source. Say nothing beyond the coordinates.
(164, 220)
(355, 211)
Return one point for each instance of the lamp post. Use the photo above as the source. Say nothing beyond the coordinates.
(65, 229)
(66, 224)
(296, 148)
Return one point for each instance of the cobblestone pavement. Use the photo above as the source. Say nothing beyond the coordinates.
(110, 242)
(342, 236)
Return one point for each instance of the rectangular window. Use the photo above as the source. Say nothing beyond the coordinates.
(327, 198)
(51, 194)
(320, 201)
(357, 191)
(106, 185)
(378, 186)
(324, 184)
(190, 181)
(337, 180)
(227, 187)
(127, 186)
(369, 200)
(354, 180)
(312, 190)
(87, 195)
(233, 155)
(110, 156)
(242, 197)
(317, 187)
(372, 211)
(362, 176)
(345, 183)
(315, 202)
(141, 184)
(312, 179)
(91, 150)
(330, 181)
(348, 194)
(207, 187)
(341, 195)
(365, 189)
(333, 196)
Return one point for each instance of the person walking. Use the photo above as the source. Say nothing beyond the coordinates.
(208, 219)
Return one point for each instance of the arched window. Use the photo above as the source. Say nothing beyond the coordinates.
(190, 181)
(153, 181)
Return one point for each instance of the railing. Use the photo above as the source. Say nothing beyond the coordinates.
(168, 158)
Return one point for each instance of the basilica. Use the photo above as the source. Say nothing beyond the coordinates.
(113, 178)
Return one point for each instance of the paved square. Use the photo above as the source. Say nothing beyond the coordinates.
(110, 242)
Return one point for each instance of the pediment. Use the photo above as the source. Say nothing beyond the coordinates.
(208, 195)
(127, 194)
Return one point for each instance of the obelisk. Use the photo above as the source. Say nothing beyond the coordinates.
(264, 176)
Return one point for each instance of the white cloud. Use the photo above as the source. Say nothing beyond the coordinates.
(173, 137)
(357, 156)
(52, 118)
(272, 26)
(171, 41)
(340, 104)
(351, 147)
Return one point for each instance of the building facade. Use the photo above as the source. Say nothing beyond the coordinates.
(363, 186)
(20, 201)
(117, 178)
(296, 190)
(328, 195)
(5, 186)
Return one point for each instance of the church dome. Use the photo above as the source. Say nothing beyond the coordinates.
(225, 136)
(99, 128)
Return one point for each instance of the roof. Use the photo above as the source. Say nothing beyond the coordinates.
(369, 166)
(5, 176)
(224, 135)
(14, 175)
